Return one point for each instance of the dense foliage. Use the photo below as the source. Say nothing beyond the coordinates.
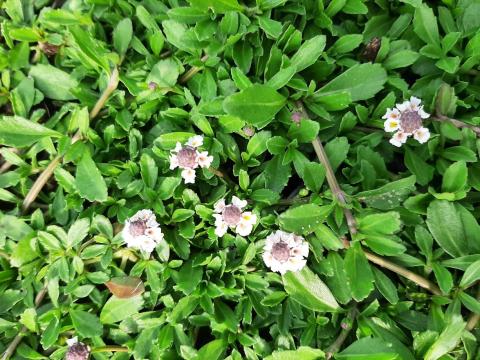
(101, 101)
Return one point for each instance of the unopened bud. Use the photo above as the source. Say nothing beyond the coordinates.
(78, 351)
(48, 49)
(249, 131)
(296, 117)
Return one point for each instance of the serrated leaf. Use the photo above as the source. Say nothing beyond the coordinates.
(89, 181)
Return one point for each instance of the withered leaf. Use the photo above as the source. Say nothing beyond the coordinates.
(126, 286)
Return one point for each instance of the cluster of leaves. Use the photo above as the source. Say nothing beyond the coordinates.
(103, 90)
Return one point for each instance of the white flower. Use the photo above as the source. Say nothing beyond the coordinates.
(231, 216)
(142, 231)
(204, 160)
(421, 135)
(195, 141)
(285, 252)
(406, 120)
(188, 175)
(188, 158)
(399, 138)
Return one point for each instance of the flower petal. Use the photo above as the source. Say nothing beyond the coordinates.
(189, 176)
(219, 206)
(421, 135)
(239, 203)
(195, 141)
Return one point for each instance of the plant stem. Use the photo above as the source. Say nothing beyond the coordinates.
(459, 124)
(13, 345)
(352, 224)
(47, 173)
(110, 348)
(193, 70)
(337, 344)
(4, 255)
(474, 317)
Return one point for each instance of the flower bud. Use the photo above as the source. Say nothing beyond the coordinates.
(48, 49)
(77, 350)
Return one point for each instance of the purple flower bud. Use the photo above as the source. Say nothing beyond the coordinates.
(296, 117)
(78, 351)
(249, 131)
(152, 85)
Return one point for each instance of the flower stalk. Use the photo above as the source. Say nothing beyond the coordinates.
(457, 123)
(110, 348)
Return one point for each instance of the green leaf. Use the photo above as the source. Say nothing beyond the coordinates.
(90, 47)
(347, 43)
(86, 324)
(386, 286)
(445, 224)
(455, 177)
(422, 171)
(337, 151)
(281, 78)
(77, 232)
(53, 82)
(471, 275)
(212, 351)
(257, 104)
(309, 52)
(188, 278)
(218, 6)
(304, 218)
(302, 353)
(306, 288)
(386, 223)
(447, 340)
(353, 81)
(304, 132)
(164, 73)
(122, 35)
(169, 140)
(89, 181)
(148, 170)
(400, 59)
(444, 278)
(313, 176)
(425, 25)
(388, 196)
(359, 272)
(369, 348)
(116, 309)
(385, 244)
(19, 132)
(257, 144)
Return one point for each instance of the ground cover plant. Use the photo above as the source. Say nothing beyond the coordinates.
(239, 179)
